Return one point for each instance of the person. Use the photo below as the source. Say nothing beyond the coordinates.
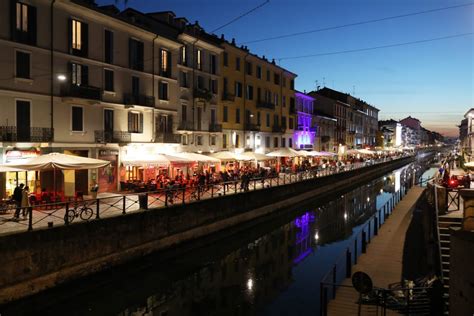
(94, 190)
(25, 201)
(17, 197)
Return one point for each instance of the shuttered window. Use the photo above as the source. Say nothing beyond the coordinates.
(78, 38)
(135, 122)
(23, 22)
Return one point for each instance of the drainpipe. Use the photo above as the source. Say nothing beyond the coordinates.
(153, 122)
(52, 75)
(193, 87)
(244, 94)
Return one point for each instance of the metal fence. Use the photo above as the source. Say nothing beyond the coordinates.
(65, 213)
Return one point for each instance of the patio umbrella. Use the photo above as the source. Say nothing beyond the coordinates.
(284, 152)
(257, 156)
(227, 155)
(3, 168)
(54, 161)
(153, 160)
(196, 157)
(327, 154)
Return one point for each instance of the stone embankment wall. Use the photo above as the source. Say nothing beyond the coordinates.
(41, 259)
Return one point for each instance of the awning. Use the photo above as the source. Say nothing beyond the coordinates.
(58, 161)
(229, 156)
(162, 160)
(3, 168)
(257, 156)
(284, 152)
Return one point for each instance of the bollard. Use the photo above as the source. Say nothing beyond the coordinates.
(376, 225)
(97, 209)
(348, 263)
(364, 242)
(355, 251)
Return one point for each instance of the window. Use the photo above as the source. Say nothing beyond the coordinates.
(290, 142)
(275, 142)
(268, 75)
(292, 84)
(291, 124)
(199, 140)
(23, 65)
(267, 141)
(135, 54)
(259, 72)
(237, 140)
(24, 23)
(283, 142)
(283, 121)
(109, 47)
(200, 82)
(283, 100)
(78, 38)
(109, 80)
(213, 140)
(184, 110)
(135, 86)
(248, 68)
(237, 116)
(268, 120)
(184, 59)
(213, 84)
(238, 89)
(165, 63)
(135, 122)
(226, 59)
(225, 114)
(276, 79)
(184, 79)
(249, 92)
(237, 63)
(77, 119)
(275, 98)
(184, 139)
(224, 140)
(199, 59)
(163, 90)
(258, 118)
(259, 94)
(79, 75)
(213, 65)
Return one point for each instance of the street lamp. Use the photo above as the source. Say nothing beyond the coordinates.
(61, 77)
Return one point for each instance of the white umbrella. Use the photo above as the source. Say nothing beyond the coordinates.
(365, 151)
(469, 164)
(227, 155)
(284, 152)
(327, 154)
(257, 156)
(153, 160)
(197, 157)
(54, 161)
(9, 169)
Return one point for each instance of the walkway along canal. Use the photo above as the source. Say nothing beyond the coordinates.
(44, 258)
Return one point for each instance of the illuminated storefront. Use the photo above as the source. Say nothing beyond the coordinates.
(28, 178)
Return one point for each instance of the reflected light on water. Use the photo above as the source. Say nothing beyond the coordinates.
(250, 284)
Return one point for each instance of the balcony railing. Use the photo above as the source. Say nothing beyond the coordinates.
(226, 96)
(252, 127)
(215, 128)
(167, 137)
(84, 92)
(29, 134)
(203, 94)
(112, 137)
(186, 126)
(278, 129)
(139, 99)
(265, 105)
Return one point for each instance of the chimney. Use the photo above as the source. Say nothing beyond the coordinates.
(273, 61)
(233, 41)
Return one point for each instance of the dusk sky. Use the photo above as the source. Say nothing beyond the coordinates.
(432, 81)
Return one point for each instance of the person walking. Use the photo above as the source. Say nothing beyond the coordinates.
(17, 196)
(25, 201)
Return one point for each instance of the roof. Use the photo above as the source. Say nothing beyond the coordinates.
(323, 115)
(341, 97)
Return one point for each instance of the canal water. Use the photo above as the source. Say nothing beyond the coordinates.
(271, 269)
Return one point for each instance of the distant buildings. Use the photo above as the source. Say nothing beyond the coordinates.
(466, 133)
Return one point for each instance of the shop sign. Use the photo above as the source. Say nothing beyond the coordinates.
(18, 154)
(108, 152)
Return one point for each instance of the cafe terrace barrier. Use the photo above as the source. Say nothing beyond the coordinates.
(66, 213)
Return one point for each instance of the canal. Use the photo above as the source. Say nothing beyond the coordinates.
(270, 269)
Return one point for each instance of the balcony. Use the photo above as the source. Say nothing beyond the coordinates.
(29, 134)
(226, 96)
(167, 137)
(118, 137)
(265, 105)
(186, 126)
(215, 128)
(139, 99)
(252, 127)
(83, 92)
(203, 94)
(278, 129)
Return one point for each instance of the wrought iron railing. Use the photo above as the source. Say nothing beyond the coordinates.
(215, 128)
(84, 92)
(112, 137)
(138, 99)
(31, 134)
(226, 96)
(265, 105)
(168, 137)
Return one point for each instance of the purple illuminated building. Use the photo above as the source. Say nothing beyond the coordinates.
(305, 131)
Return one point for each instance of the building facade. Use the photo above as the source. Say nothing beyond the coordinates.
(306, 127)
(257, 105)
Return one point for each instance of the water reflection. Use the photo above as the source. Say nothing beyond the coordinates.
(276, 273)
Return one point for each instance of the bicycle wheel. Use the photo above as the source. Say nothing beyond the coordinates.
(69, 216)
(86, 213)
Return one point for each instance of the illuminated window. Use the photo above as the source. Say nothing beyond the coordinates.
(76, 35)
(76, 74)
(164, 66)
(183, 55)
(21, 17)
(199, 59)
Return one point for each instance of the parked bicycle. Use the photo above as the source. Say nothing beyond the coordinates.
(83, 211)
